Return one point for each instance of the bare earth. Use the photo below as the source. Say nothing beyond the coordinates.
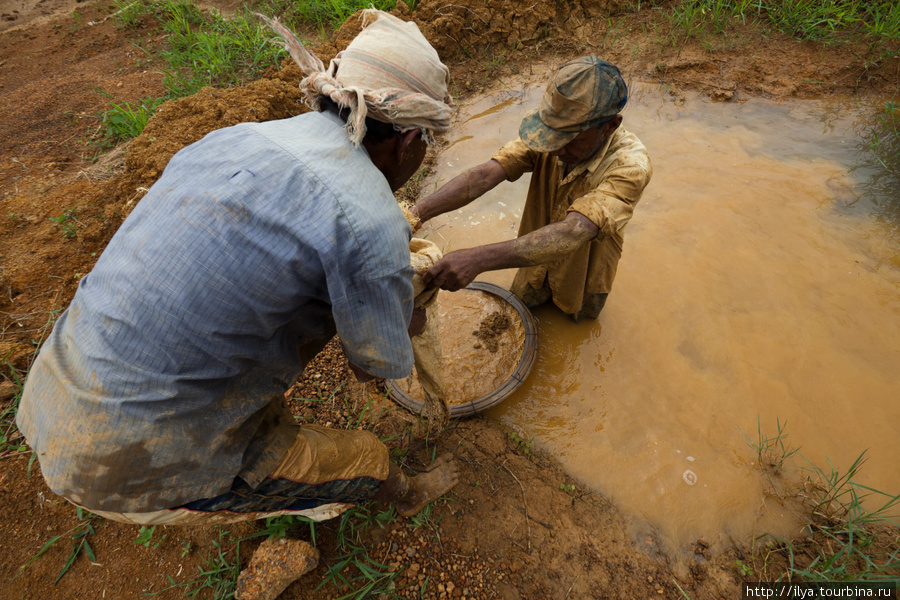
(516, 526)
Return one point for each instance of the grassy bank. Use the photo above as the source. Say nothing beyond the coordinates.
(851, 529)
(205, 48)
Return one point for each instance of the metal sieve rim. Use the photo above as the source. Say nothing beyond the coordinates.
(523, 367)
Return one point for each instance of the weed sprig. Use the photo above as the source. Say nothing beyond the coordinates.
(78, 541)
(826, 21)
(849, 540)
(68, 223)
(885, 142)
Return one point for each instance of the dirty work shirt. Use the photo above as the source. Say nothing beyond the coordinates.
(163, 380)
(605, 189)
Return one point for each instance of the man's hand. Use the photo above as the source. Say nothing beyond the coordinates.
(455, 271)
(417, 321)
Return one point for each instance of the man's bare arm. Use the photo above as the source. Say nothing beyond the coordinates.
(460, 190)
(549, 243)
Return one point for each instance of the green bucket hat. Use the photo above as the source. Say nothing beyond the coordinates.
(585, 93)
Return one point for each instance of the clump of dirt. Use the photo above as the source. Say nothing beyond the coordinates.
(460, 28)
(490, 330)
(275, 565)
(179, 123)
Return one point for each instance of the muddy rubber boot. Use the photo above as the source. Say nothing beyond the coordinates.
(275, 565)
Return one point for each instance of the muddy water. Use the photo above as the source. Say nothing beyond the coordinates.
(760, 283)
(476, 357)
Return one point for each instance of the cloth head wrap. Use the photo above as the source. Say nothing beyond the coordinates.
(389, 72)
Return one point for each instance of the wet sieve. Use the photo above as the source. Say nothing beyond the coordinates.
(489, 341)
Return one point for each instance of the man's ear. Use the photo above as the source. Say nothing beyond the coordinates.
(406, 138)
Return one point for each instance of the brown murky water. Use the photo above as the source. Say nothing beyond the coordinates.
(760, 282)
(482, 339)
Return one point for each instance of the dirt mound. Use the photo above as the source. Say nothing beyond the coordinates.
(467, 27)
(179, 123)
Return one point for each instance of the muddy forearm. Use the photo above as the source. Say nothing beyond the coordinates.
(459, 268)
(553, 241)
(460, 190)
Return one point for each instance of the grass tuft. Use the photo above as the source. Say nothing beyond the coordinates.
(125, 121)
(771, 452)
(885, 142)
(202, 49)
(328, 14)
(80, 545)
(852, 528)
(11, 441)
(353, 571)
(218, 575)
(209, 50)
(825, 21)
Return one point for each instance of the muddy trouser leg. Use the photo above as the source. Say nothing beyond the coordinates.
(527, 293)
(531, 297)
(323, 473)
(591, 307)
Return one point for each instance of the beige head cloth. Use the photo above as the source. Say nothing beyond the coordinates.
(388, 72)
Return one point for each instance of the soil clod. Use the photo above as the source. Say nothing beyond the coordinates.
(490, 330)
(275, 565)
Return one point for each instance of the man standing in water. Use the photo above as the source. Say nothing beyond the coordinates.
(588, 173)
(158, 397)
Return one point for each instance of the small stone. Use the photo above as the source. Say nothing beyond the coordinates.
(275, 565)
(7, 390)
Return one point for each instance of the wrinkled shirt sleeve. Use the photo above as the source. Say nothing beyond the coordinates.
(372, 318)
(516, 159)
(611, 204)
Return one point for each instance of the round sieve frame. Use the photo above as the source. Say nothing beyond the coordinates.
(523, 366)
